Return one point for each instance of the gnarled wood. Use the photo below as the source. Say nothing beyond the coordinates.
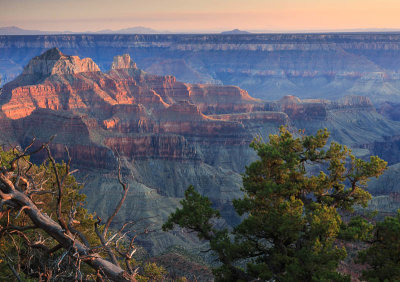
(14, 197)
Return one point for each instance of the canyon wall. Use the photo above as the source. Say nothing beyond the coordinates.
(169, 134)
(268, 66)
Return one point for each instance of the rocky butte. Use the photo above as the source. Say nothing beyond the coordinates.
(170, 134)
(269, 66)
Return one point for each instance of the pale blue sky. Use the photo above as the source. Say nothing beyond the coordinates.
(202, 15)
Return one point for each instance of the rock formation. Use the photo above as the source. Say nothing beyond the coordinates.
(268, 66)
(390, 110)
(54, 62)
(123, 62)
(170, 134)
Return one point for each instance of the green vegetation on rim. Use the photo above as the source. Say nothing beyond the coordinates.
(290, 217)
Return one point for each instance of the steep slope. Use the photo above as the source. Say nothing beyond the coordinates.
(267, 65)
(390, 110)
(170, 134)
(56, 81)
(352, 121)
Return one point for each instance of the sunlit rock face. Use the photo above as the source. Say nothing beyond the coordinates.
(268, 66)
(60, 82)
(54, 62)
(132, 110)
(140, 114)
(123, 62)
(169, 134)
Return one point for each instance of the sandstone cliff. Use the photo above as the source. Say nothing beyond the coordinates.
(54, 62)
(268, 66)
(170, 134)
(123, 107)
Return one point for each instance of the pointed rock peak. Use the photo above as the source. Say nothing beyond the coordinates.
(123, 62)
(52, 54)
(53, 61)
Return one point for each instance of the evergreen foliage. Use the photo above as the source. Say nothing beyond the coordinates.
(290, 214)
(28, 250)
(30, 253)
(383, 255)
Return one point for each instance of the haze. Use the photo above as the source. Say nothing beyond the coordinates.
(204, 15)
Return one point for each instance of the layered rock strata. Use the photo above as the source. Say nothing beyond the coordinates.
(269, 66)
(170, 134)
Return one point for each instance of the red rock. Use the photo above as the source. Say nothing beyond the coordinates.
(57, 81)
(182, 110)
(303, 110)
(255, 117)
(123, 62)
(54, 62)
(139, 114)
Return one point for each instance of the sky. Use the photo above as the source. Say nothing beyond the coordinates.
(201, 15)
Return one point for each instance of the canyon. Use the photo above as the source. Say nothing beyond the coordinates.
(268, 66)
(170, 134)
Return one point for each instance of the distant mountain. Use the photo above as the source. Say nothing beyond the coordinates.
(130, 30)
(14, 30)
(235, 31)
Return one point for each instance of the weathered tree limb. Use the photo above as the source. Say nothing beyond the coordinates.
(14, 197)
(104, 243)
(60, 189)
(52, 228)
(125, 188)
(103, 236)
(75, 231)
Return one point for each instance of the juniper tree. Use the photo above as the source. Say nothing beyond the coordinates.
(383, 255)
(290, 214)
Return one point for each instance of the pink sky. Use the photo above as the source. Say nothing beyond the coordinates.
(201, 15)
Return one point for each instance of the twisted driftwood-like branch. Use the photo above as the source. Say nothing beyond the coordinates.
(127, 255)
(16, 198)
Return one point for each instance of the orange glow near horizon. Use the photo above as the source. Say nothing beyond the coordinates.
(205, 15)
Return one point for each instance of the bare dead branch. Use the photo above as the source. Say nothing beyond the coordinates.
(75, 247)
(125, 187)
(6, 202)
(7, 186)
(129, 254)
(72, 172)
(25, 152)
(60, 189)
(75, 231)
(104, 244)
(21, 210)
(52, 228)
(23, 180)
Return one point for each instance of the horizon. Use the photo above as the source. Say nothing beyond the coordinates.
(298, 31)
(208, 16)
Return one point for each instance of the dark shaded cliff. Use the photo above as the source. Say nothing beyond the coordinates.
(170, 134)
(267, 65)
